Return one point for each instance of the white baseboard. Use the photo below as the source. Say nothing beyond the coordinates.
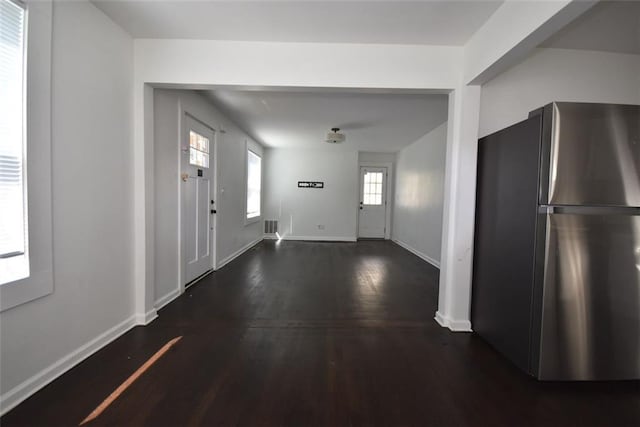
(237, 253)
(162, 301)
(441, 320)
(454, 325)
(144, 319)
(24, 390)
(321, 238)
(417, 253)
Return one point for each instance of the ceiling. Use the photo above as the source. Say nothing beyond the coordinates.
(394, 22)
(371, 122)
(611, 26)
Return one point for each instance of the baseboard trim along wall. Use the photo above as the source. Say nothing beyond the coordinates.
(237, 253)
(321, 238)
(146, 318)
(454, 325)
(162, 301)
(26, 389)
(417, 253)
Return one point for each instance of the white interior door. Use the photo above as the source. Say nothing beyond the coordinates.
(373, 203)
(197, 203)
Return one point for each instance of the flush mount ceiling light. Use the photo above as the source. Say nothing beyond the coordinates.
(335, 137)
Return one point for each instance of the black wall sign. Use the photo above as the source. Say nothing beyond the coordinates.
(310, 184)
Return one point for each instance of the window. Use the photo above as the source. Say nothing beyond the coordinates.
(26, 260)
(198, 150)
(254, 183)
(14, 262)
(372, 191)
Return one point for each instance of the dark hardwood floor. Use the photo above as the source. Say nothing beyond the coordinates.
(317, 334)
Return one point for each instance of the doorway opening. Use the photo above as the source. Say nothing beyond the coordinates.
(356, 196)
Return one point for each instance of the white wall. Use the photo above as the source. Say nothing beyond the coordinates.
(558, 75)
(232, 235)
(420, 169)
(373, 157)
(301, 210)
(92, 71)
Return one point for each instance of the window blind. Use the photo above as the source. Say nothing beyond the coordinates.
(12, 150)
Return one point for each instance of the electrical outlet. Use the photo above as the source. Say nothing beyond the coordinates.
(320, 226)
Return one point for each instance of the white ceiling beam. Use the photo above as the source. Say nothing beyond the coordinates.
(305, 65)
(512, 32)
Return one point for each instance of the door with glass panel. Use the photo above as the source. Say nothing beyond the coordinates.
(373, 203)
(198, 205)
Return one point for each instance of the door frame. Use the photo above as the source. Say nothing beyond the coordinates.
(213, 151)
(390, 193)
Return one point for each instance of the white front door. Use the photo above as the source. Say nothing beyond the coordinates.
(197, 204)
(373, 203)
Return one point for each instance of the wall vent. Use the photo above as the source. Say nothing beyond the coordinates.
(270, 226)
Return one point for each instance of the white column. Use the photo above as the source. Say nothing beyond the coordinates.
(143, 203)
(454, 300)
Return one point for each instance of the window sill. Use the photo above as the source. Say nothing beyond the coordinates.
(249, 221)
(18, 292)
(13, 269)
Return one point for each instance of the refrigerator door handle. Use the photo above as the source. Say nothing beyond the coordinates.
(589, 210)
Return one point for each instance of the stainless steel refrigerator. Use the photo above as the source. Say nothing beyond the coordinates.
(556, 280)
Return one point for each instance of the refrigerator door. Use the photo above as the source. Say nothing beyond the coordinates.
(594, 155)
(505, 236)
(591, 302)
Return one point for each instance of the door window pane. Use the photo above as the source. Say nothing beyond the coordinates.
(372, 189)
(198, 150)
